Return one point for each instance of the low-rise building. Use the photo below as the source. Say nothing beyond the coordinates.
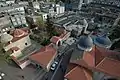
(20, 39)
(5, 24)
(45, 57)
(15, 43)
(18, 19)
(15, 13)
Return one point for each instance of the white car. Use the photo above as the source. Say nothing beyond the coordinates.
(53, 66)
(65, 79)
(0, 77)
(2, 74)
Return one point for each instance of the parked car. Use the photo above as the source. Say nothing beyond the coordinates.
(2, 75)
(65, 79)
(54, 65)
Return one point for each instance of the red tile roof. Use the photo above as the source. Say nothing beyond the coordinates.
(95, 56)
(79, 73)
(71, 66)
(43, 58)
(18, 33)
(109, 66)
(55, 39)
(103, 62)
(15, 33)
(17, 38)
(89, 58)
(82, 63)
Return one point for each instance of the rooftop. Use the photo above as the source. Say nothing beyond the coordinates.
(99, 59)
(44, 56)
(16, 35)
(79, 72)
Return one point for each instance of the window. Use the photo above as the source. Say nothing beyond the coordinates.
(26, 44)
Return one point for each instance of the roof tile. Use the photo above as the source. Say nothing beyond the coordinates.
(79, 73)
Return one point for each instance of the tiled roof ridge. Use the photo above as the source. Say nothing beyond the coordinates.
(100, 62)
(113, 59)
(71, 71)
(102, 57)
(86, 73)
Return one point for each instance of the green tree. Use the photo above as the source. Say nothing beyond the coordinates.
(39, 22)
(45, 42)
(115, 33)
(55, 33)
(49, 27)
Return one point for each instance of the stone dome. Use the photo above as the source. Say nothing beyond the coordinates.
(103, 41)
(85, 43)
(18, 33)
(6, 38)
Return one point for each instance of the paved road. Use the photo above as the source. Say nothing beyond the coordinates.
(39, 75)
(14, 73)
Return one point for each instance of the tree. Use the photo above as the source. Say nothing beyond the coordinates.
(40, 22)
(49, 27)
(115, 33)
(45, 42)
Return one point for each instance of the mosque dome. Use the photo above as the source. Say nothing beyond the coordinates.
(103, 41)
(18, 33)
(6, 38)
(85, 43)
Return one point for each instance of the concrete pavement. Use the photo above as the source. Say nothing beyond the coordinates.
(13, 72)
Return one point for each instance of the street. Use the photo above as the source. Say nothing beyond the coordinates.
(13, 72)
